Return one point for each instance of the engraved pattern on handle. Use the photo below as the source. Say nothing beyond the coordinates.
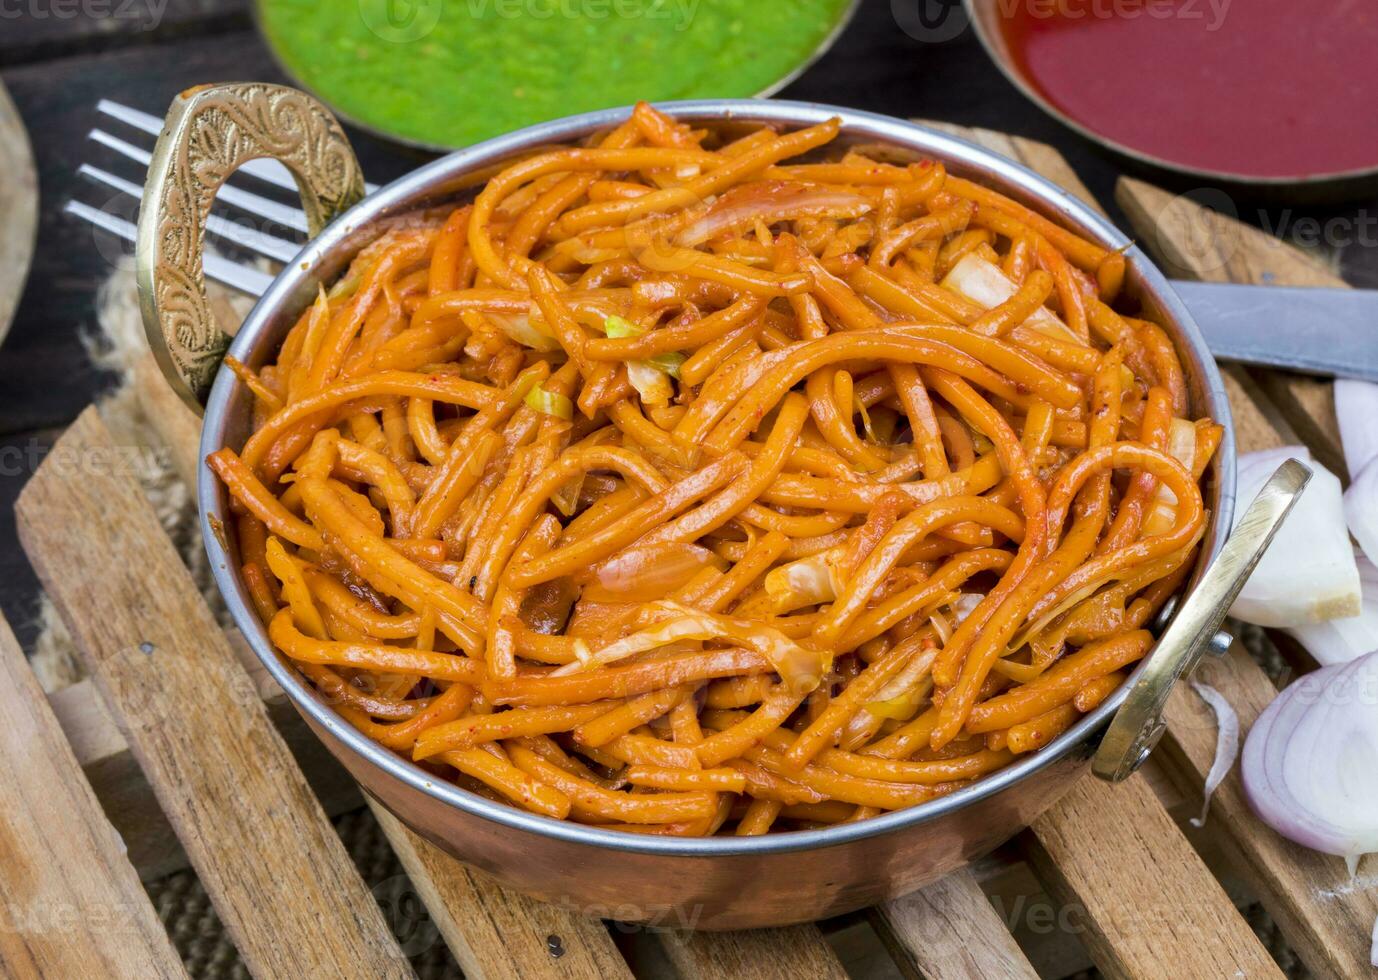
(210, 132)
(1137, 726)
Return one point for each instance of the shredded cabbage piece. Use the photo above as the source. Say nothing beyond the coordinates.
(799, 667)
(550, 403)
(650, 378)
(618, 327)
(523, 330)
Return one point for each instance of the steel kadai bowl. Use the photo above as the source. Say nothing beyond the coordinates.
(714, 883)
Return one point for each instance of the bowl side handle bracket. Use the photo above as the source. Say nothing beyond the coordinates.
(1137, 726)
(209, 133)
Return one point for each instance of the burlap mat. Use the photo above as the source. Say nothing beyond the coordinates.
(182, 903)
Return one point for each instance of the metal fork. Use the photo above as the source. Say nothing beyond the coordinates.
(232, 199)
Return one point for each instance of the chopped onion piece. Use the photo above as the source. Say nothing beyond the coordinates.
(1310, 760)
(566, 498)
(899, 700)
(651, 383)
(550, 403)
(769, 202)
(1181, 445)
(805, 582)
(1356, 408)
(901, 707)
(648, 572)
(1339, 641)
(1361, 508)
(1226, 744)
(941, 626)
(1308, 574)
(965, 605)
(985, 284)
(800, 668)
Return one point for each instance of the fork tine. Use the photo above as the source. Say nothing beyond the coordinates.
(255, 204)
(121, 147)
(222, 270)
(257, 241)
(267, 170)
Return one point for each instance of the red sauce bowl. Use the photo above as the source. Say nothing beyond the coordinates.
(1270, 95)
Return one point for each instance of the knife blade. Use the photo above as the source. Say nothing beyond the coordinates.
(1313, 330)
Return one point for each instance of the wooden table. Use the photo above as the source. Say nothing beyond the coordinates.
(56, 71)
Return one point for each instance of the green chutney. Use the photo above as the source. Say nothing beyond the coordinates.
(454, 72)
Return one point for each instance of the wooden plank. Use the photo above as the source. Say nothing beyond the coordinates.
(494, 932)
(762, 954)
(279, 877)
(118, 781)
(73, 905)
(1194, 242)
(19, 205)
(1327, 917)
(176, 424)
(950, 929)
(1149, 904)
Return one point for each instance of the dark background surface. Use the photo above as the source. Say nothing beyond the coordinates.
(57, 67)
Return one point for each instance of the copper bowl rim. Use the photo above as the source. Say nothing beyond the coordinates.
(295, 285)
(995, 49)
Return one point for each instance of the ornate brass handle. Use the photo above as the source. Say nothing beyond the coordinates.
(1137, 726)
(210, 132)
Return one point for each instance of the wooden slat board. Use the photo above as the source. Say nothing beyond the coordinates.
(118, 781)
(762, 954)
(950, 929)
(73, 906)
(1147, 898)
(255, 833)
(496, 933)
(1327, 916)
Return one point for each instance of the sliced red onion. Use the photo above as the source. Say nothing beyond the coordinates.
(1338, 641)
(1361, 508)
(1226, 744)
(1311, 761)
(1308, 574)
(1356, 408)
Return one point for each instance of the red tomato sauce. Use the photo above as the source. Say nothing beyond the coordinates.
(1263, 88)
